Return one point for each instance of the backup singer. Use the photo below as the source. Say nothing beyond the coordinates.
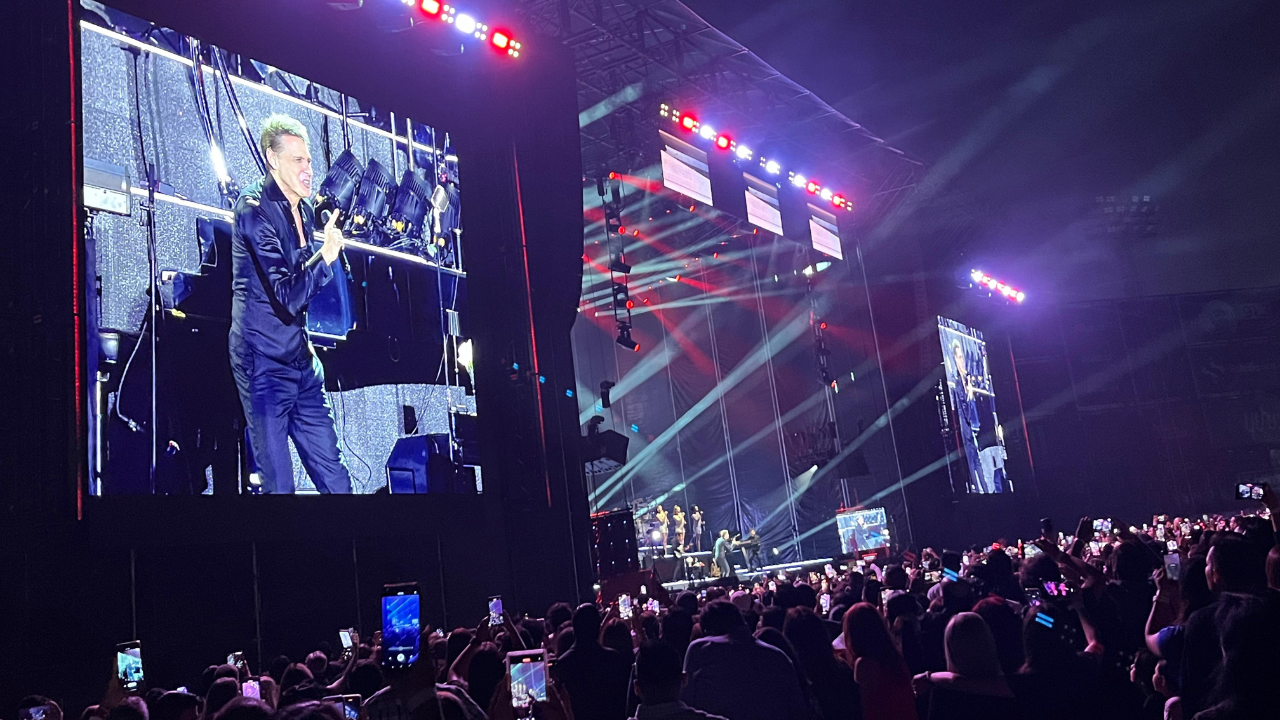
(677, 517)
(275, 276)
(664, 522)
(696, 516)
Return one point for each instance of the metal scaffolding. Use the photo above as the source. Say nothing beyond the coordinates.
(632, 55)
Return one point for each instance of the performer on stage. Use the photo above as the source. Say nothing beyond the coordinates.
(721, 553)
(696, 515)
(664, 521)
(751, 550)
(275, 276)
(677, 517)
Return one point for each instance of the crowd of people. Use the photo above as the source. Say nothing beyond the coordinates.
(1177, 619)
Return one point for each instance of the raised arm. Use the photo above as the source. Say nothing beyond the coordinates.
(292, 290)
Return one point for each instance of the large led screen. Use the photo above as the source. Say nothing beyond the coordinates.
(685, 169)
(862, 530)
(763, 209)
(230, 349)
(824, 232)
(973, 404)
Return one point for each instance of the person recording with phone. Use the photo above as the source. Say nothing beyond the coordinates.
(275, 276)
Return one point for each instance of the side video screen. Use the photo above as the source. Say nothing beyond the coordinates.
(973, 404)
(863, 530)
(276, 302)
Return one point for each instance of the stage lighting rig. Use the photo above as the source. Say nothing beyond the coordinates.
(469, 24)
(724, 142)
(371, 200)
(624, 337)
(338, 191)
(1008, 292)
(409, 208)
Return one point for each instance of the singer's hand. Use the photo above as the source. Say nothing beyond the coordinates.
(333, 240)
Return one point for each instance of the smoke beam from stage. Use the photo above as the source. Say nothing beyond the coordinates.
(791, 331)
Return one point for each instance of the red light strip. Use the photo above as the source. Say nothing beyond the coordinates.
(1007, 291)
(467, 23)
(725, 142)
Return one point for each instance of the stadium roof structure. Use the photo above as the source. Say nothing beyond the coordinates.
(633, 55)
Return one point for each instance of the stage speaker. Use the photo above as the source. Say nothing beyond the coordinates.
(668, 569)
(613, 536)
(421, 464)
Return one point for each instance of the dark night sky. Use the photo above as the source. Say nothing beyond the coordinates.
(1026, 111)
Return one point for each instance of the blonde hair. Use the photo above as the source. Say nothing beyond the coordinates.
(277, 126)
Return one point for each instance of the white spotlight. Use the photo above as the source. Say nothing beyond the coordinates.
(466, 24)
(707, 132)
(773, 167)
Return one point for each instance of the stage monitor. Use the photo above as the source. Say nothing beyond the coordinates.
(824, 232)
(261, 366)
(862, 530)
(685, 169)
(763, 208)
(973, 407)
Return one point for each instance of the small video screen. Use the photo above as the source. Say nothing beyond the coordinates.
(824, 233)
(862, 530)
(528, 682)
(401, 622)
(685, 169)
(763, 208)
(129, 667)
(1248, 491)
(973, 404)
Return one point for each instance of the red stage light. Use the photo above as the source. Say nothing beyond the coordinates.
(635, 233)
(812, 187)
(622, 230)
(636, 348)
(613, 176)
(630, 304)
(687, 122)
(691, 207)
(677, 278)
(500, 39)
(838, 201)
(822, 325)
(432, 7)
(722, 142)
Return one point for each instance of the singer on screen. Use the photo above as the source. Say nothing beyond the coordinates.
(275, 276)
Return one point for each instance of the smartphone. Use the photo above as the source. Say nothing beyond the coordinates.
(831, 572)
(1057, 589)
(825, 601)
(773, 586)
(345, 637)
(1102, 525)
(1185, 527)
(1172, 545)
(653, 606)
(1248, 491)
(1160, 532)
(528, 672)
(704, 594)
(237, 661)
(1030, 550)
(1173, 566)
(1034, 596)
(624, 606)
(129, 665)
(39, 712)
(495, 611)
(1094, 547)
(348, 705)
(933, 576)
(401, 625)
(251, 688)
(884, 596)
